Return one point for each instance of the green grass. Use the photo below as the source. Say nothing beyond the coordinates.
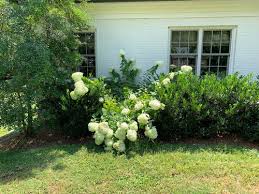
(150, 169)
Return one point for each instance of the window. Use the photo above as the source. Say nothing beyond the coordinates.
(87, 51)
(207, 51)
(184, 48)
(215, 52)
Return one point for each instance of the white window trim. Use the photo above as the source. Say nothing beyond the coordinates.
(201, 29)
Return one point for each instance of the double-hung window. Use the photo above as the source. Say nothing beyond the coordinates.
(206, 50)
(87, 51)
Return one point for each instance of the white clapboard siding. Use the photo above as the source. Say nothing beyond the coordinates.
(142, 30)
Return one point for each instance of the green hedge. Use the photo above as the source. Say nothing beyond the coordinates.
(208, 107)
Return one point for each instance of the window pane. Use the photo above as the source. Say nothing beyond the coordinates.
(214, 61)
(184, 36)
(214, 70)
(205, 62)
(175, 36)
(192, 48)
(207, 37)
(184, 47)
(90, 61)
(183, 61)
(222, 71)
(175, 48)
(225, 48)
(90, 49)
(204, 70)
(192, 61)
(82, 38)
(174, 61)
(82, 49)
(90, 38)
(193, 37)
(225, 36)
(223, 61)
(215, 48)
(206, 48)
(216, 36)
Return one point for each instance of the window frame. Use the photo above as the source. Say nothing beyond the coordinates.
(200, 30)
(91, 30)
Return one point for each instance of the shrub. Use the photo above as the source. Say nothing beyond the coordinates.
(77, 107)
(206, 107)
(120, 122)
(125, 79)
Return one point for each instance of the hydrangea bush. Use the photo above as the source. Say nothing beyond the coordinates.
(79, 106)
(126, 121)
(120, 122)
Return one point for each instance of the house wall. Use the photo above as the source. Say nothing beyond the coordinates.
(142, 30)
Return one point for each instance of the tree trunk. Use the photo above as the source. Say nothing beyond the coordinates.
(29, 129)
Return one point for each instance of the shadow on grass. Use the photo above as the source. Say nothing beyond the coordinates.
(144, 147)
(20, 164)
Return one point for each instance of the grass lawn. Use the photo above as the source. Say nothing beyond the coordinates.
(157, 168)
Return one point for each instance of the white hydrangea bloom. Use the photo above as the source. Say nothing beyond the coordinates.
(151, 133)
(93, 126)
(77, 76)
(133, 97)
(125, 111)
(124, 126)
(103, 128)
(109, 133)
(101, 99)
(99, 138)
(120, 134)
(166, 81)
(143, 118)
(108, 142)
(132, 135)
(122, 53)
(162, 106)
(138, 106)
(134, 126)
(80, 88)
(186, 69)
(73, 95)
(171, 75)
(119, 146)
(155, 104)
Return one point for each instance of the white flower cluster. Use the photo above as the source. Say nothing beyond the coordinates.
(167, 80)
(186, 69)
(80, 87)
(156, 105)
(136, 116)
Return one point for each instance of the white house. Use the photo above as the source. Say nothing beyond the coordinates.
(220, 36)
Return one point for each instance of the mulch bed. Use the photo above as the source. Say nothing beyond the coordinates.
(16, 140)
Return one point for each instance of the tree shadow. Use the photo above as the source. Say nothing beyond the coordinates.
(142, 148)
(21, 164)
